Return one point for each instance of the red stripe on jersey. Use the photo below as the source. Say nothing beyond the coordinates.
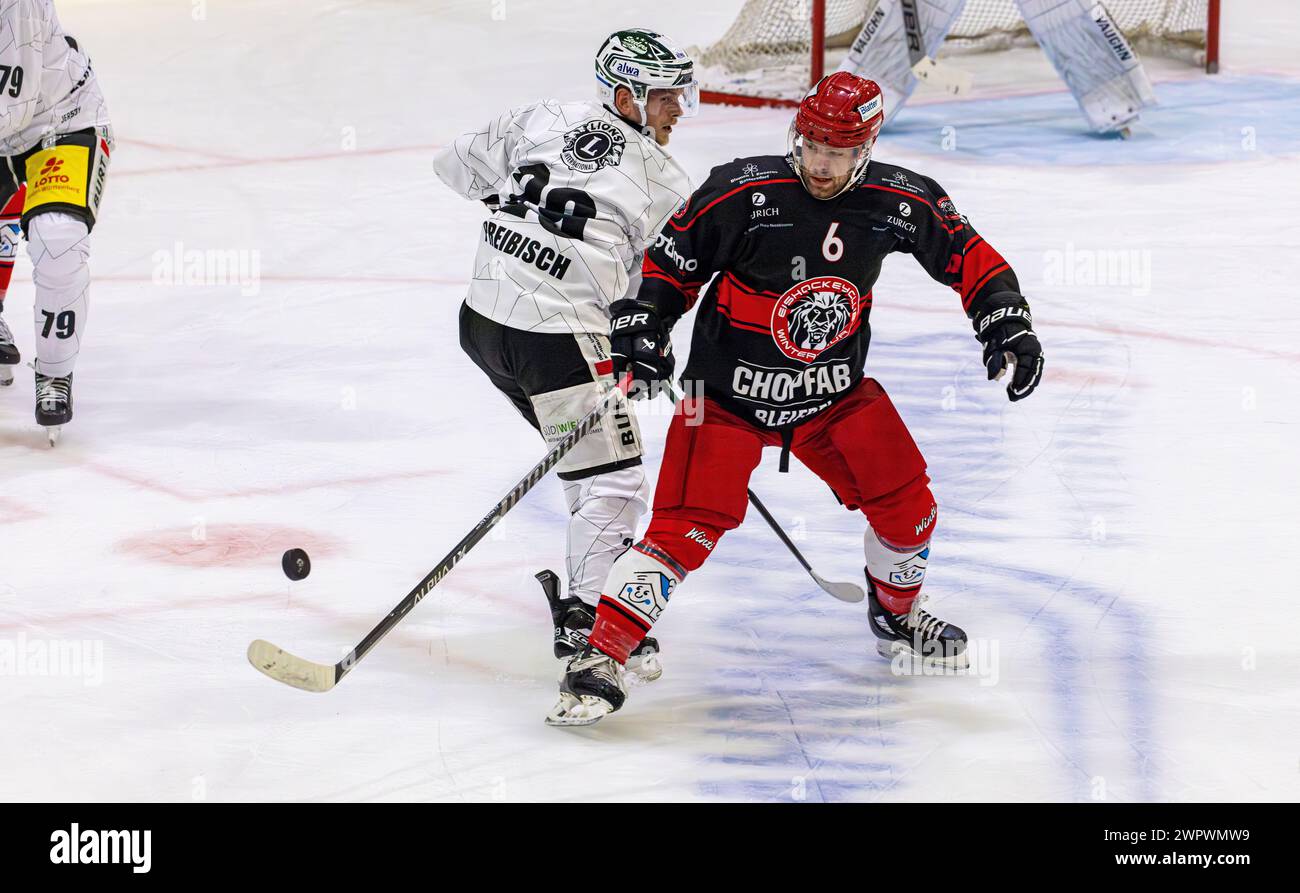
(980, 262)
(753, 291)
(700, 213)
(744, 307)
(966, 300)
(651, 270)
(762, 330)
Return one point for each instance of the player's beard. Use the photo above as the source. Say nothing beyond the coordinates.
(824, 187)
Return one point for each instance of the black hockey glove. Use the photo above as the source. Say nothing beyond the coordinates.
(639, 344)
(1005, 328)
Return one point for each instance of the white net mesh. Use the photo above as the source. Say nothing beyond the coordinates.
(768, 48)
(778, 33)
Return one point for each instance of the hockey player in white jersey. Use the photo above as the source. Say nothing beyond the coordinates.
(55, 140)
(577, 191)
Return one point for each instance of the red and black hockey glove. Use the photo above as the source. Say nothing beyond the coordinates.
(639, 344)
(1005, 328)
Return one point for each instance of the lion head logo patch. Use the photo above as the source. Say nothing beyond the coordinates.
(815, 315)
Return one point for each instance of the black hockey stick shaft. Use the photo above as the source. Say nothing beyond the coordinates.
(481, 529)
(777, 529)
(847, 592)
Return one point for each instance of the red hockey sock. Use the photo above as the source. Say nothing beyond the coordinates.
(10, 218)
(614, 633)
(636, 593)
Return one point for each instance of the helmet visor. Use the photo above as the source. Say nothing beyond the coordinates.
(823, 162)
(683, 101)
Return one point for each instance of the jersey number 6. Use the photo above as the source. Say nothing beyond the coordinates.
(562, 211)
(832, 246)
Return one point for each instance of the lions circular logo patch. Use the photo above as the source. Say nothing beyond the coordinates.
(815, 315)
(593, 145)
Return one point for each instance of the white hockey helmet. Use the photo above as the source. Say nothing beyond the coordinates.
(643, 60)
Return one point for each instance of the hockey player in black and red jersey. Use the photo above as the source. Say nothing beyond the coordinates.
(792, 246)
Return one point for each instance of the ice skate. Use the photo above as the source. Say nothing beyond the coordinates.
(592, 687)
(53, 404)
(573, 620)
(9, 355)
(917, 633)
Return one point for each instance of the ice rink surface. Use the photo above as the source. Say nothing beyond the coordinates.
(1121, 546)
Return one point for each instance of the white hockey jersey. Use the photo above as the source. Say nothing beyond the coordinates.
(577, 194)
(46, 83)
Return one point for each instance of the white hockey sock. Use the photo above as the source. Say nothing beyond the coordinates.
(897, 572)
(59, 246)
(603, 513)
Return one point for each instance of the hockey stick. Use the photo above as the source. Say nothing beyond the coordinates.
(945, 77)
(845, 592)
(308, 675)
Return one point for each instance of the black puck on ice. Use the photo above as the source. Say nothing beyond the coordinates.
(296, 564)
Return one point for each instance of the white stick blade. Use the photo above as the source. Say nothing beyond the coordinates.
(290, 669)
(943, 76)
(845, 592)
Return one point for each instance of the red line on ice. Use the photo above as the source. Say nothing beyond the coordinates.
(276, 159)
(12, 511)
(158, 486)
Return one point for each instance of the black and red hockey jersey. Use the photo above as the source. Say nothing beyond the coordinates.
(783, 328)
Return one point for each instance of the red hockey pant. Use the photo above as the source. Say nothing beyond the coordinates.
(859, 447)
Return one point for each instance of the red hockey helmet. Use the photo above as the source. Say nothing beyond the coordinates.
(843, 111)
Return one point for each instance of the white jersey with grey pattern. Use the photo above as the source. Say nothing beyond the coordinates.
(47, 86)
(578, 194)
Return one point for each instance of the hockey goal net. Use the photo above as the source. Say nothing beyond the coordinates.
(775, 49)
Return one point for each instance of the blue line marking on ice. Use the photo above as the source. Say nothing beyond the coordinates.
(830, 742)
(1219, 118)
